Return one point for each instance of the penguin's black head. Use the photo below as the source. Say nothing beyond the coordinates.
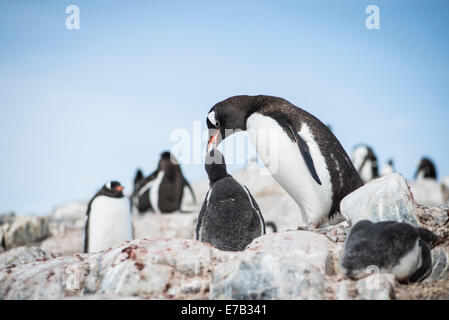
(165, 155)
(427, 166)
(167, 161)
(228, 117)
(215, 165)
(112, 189)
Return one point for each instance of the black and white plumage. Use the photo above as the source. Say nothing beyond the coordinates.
(389, 246)
(426, 170)
(301, 153)
(163, 190)
(230, 217)
(388, 168)
(365, 162)
(108, 219)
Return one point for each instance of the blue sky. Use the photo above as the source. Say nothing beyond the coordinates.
(79, 107)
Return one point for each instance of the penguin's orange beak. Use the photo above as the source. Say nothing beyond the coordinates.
(119, 188)
(213, 142)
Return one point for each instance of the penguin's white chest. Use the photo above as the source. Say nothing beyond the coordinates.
(409, 263)
(283, 159)
(109, 223)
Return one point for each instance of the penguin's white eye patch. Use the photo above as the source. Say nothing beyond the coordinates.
(211, 117)
(108, 185)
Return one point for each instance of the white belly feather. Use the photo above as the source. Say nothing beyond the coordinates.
(154, 192)
(109, 223)
(283, 159)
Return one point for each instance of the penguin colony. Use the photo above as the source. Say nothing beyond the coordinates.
(309, 163)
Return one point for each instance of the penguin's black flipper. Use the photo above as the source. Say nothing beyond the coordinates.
(200, 217)
(86, 231)
(305, 152)
(303, 147)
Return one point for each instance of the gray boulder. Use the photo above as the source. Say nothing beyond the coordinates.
(26, 230)
(382, 199)
(158, 269)
(287, 265)
(440, 263)
(22, 255)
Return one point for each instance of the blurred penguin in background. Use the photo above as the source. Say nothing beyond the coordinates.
(365, 162)
(426, 170)
(108, 219)
(163, 190)
(388, 168)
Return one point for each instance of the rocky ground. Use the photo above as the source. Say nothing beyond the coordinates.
(42, 256)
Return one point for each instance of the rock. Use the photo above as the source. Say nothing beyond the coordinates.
(267, 276)
(7, 218)
(434, 218)
(160, 226)
(445, 189)
(440, 263)
(68, 216)
(335, 233)
(313, 247)
(286, 265)
(378, 286)
(22, 255)
(343, 290)
(26, 230)
(382, 199)
(170, 268)
(63, 244)
(427, 192)
(70, 211)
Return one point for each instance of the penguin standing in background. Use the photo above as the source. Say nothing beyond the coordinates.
(299, 151)
(108, 219)
(388, 168)
(140, 198)
(388, 246)
(230, 217)
(365, 162)
(163, 190)
(426, 170)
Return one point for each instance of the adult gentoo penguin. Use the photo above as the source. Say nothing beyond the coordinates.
(230, 217)
(389, 246)
(163, 190)
(365, 162)
(301, 153)
(426, 170)
(108, 219)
